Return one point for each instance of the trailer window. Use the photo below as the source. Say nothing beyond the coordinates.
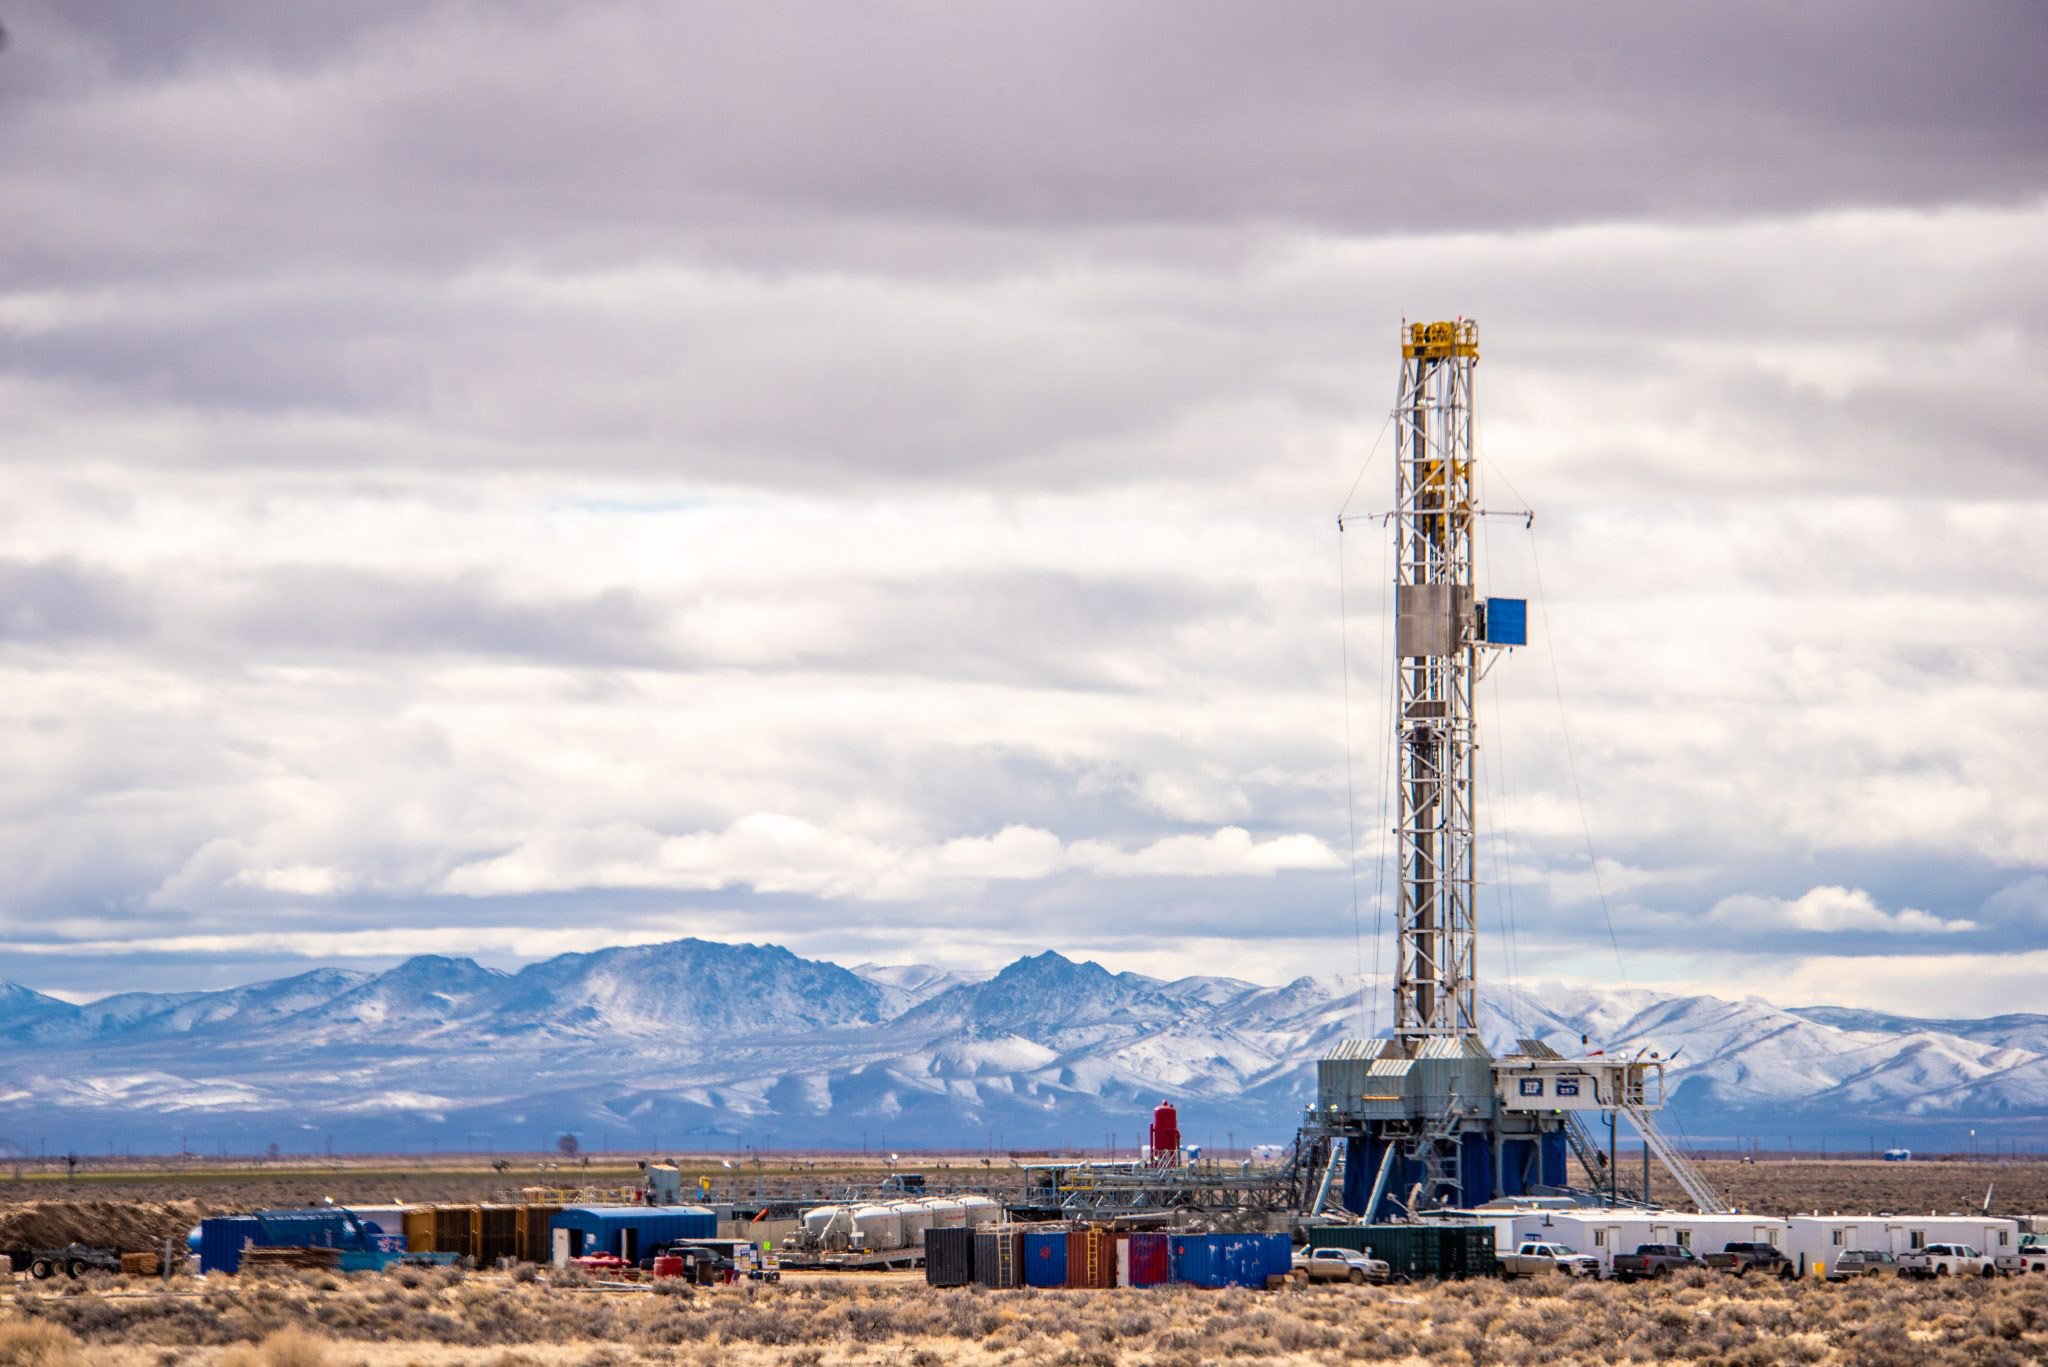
(1839, 1240)
(1684, 1238)
(1917, 1239)
(1599, 1238)
(2003, 1238)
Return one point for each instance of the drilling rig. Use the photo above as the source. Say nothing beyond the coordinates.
(1429, 1118)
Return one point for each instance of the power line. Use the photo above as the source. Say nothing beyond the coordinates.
(1350, 796)
(1572, 764)
(1386, 719)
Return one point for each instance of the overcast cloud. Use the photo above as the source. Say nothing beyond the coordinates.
(506, 478)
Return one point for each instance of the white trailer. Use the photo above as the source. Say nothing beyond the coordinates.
(1604, 1233)
(1824, 1238)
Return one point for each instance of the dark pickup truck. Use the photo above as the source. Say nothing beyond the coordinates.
(1653, 1260)
(1743, 1259)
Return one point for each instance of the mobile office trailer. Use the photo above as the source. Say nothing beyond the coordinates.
(1604, 1233)
(1824, 1238)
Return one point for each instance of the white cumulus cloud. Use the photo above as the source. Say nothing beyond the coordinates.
(772, 852)
(1829, 908)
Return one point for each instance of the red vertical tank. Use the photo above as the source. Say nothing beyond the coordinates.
(1165, 1130)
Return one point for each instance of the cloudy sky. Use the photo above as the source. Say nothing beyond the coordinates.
(502, 478)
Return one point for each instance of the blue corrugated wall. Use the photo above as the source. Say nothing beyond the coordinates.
(1045, 1257)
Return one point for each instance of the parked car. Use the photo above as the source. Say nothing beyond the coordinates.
(1341, 1265)
(1863, 1262)
(1654, 1260)
(1742, 1259)
(2030, 1256)
(1946, 1260)
(1534, 1258)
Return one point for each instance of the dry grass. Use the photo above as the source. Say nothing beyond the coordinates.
(493, 1321)
(38, 1343)
(285, 1348)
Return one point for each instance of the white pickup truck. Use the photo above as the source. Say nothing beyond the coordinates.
(2031, 1256)
(1946, 1260)
(1534, 1258)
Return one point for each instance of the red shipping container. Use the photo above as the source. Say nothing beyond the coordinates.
(1091, 1258)
(1151, 1259)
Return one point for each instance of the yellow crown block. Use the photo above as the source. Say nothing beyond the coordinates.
(1441, 340)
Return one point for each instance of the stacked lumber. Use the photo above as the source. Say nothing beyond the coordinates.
(141, 1264)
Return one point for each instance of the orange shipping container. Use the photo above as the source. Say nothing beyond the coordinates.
(419, 1230)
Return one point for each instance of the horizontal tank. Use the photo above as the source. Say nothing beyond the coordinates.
(980, 1210)
(879, 1226)
(917, 1218)
(947, 1213)
(819, 1219)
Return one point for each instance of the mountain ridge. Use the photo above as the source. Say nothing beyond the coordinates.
(712, 1043)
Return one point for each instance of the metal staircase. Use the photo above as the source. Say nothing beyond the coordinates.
(1440, 1133)
(1593, 1159)
(1689, 1178)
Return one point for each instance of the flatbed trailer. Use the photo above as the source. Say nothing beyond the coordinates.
(880, 1260)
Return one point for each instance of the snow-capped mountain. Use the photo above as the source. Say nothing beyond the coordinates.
(695, 1044)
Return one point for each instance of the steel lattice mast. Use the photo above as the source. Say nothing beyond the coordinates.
(1436, 645)
(1432, 1118)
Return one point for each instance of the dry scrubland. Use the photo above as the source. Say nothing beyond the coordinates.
(1795, 1186)
(494, 1320)
(497, 1321)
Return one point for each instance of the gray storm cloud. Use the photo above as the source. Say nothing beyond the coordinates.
(866, 477)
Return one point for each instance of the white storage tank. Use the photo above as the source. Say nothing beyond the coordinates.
(947, 1213)
(917, 1218)
(818, 1219)
(980, 1210)
(880, 1227)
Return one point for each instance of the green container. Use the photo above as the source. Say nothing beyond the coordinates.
(1468, 1250)
(1416, 1251)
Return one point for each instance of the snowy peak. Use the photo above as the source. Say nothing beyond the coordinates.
(27, 1014)
(903, 986)
(2016, 1031)
(178, 1013)
(1041, 996)
(423, 994)
(694, 986)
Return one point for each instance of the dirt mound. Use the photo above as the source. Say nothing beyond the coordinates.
(124, 1226)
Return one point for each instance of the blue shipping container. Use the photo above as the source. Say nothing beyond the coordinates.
(1045, 1257)
(221, 1240)
(1230, 1259)
(631, 1232)
(1194, 1260)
